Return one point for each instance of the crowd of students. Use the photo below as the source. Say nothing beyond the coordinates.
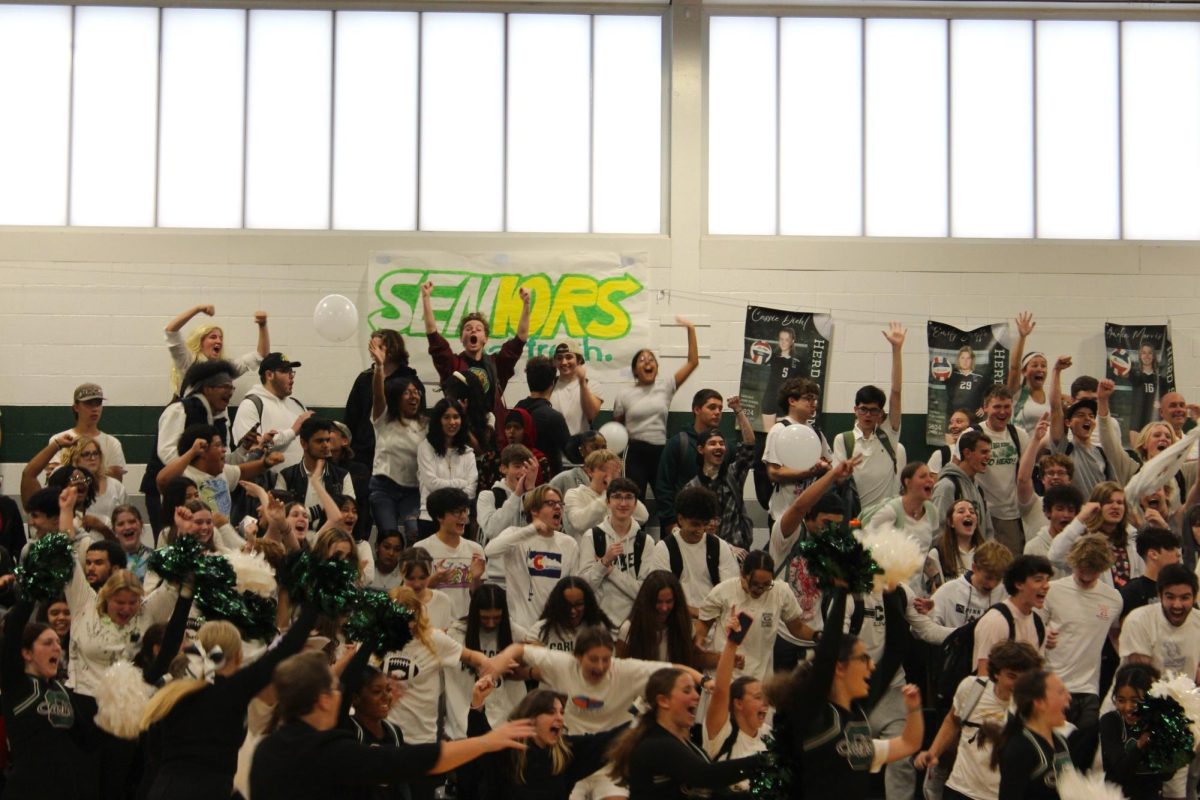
(566, 644)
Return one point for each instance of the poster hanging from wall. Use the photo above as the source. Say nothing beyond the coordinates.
(962, 365)
(1141, 362)
(597, 302)
(778, 345)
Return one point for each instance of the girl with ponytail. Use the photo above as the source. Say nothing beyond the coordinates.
(1028, 753)
(657, 759)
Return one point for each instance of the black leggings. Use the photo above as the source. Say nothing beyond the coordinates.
(641, 464)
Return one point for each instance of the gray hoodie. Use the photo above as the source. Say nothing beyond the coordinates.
(954, 484)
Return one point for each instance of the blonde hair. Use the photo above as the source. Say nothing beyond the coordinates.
(119, 581)
(1092, 553)
(536, 498)
(330, 537)
(598, 458)
(992, 558)
(192, 343)
(408, 598)
(69, 454)
(217, 633)
(1143, 436)
(1101, 493)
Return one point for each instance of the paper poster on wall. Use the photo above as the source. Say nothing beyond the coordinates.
(962, 365)
(778, 345)
(1141, 362)
(597, 302)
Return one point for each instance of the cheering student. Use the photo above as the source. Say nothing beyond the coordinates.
(207, 343)
(657, 759)
(553, 761)
(1122, 751)
(444, 459)
(458, 563)
(392, 366)
(642, 409)
(1028, 753)
(737, 709)
(1027, 378)
(614, 556)
(797, 401)
(398, 428)
(571, 607)
(307, 758)
(658, 626)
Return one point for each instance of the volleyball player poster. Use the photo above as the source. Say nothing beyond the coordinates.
(1140, 360)
(962, 365)
(778, 345)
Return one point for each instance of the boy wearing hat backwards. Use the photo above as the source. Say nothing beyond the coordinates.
(1091, 466)
(270, 406)
(572, 395)
(88, 407)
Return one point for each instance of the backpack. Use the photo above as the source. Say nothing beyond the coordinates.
(639, 542)
(849, 490)
(712, 556)
(958, 653)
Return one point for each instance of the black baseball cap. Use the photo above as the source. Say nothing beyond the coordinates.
(276, 362)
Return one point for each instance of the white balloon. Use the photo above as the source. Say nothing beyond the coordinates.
(798, 446)
(616, 438)
(335, 318)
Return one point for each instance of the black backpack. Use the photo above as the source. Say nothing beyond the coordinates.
(958, 653)
(639, 542)
(849, 490)
(712, 556)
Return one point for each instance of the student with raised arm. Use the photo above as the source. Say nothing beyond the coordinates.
(1092, 465)
(725, 474)
(737, 708)
(1027, 378)
(642, 408)
(473, 332)
(207, 343)
(876, 433)
(797, 405)
(586, 506)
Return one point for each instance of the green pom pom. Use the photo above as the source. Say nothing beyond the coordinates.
(835, 554)
(175, 562)
(776, 776)
(252, 615)
(47, 568)
(330, 584)
(379, 622)
(1171, 742)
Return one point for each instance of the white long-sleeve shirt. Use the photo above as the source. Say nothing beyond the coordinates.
(1061, 545)
(616, 586)
(455, 470)
(494, 519)
(532, 565)
(278, 414)
(584, 509)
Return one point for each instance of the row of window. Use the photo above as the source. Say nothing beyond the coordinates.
(434, 121)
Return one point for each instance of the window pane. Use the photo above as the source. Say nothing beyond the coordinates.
(462, 122)
(991, 145)
(906, 127)
(1160, 110)
(114, 123)
(375, 121)
(627, 125)
(741, 125)
(549, 99)
(1077, 180)
(203, 74)
(35, 84)
(287, 144)
(820, 127)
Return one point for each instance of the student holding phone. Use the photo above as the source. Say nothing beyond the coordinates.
(737, 709)
(761, 603)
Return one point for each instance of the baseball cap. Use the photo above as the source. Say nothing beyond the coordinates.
(88, 391)
(276, 362)
(1079, 405)
(345, 429)
(565, 347)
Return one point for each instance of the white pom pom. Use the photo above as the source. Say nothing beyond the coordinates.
(1182, 690)
(254, 574)
(120, 699)
(1073, 785)
(897, 554)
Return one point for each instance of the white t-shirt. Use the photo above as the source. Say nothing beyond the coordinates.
(1083, 618)
(457, 561)
(645, 409)
(419, 671)
(922, 529)
(215, 489)
(110, 447)
(993, 628)
(460, 680)
(785, 494)
(386, 581)
(664, 651)
(593, 708)
(695, 579)
(958, 602)
(396, 444)
(565, 399)
(744, 745)
(973, 775)
(773, 610)
(112, 496)
(616, 588)
(876, 478)
(999, 482)
(1171, 649)
(561, 640)
(440, 610)
(533, 564)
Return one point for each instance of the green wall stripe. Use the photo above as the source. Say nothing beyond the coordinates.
(26, 429)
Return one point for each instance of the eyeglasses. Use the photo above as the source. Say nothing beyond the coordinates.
(868, 411)
(807, 398)
(623, 497)
(863, 657)
(753, 586)
(90, 454)
(552, 503)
